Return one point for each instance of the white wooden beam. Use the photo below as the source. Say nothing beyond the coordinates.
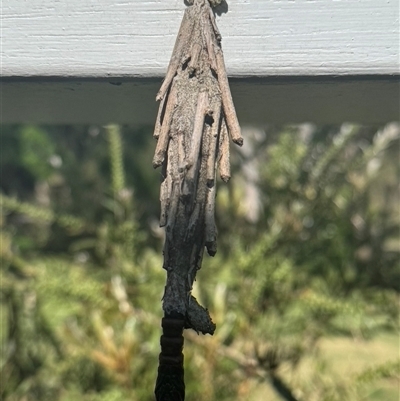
(84, 61)
(134, 38)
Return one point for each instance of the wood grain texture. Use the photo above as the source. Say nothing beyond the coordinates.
(134, 38)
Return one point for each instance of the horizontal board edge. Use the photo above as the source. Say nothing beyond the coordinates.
(365, 99)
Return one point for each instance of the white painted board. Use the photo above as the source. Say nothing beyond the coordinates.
(134, 38)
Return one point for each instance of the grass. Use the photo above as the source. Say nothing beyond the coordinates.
(341, 360)
(348, 358)
(338, 363)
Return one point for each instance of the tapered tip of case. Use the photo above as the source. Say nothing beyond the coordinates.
(238, 141)
(211, 248)
(225, 178)
(157, 163)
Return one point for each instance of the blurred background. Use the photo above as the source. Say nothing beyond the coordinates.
(304, 288)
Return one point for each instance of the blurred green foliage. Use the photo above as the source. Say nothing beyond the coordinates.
(308, 256)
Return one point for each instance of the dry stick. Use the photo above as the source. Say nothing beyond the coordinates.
(213, 146)
(165, 193)
(163, 139)
(194, 58)
(200, 258)
(202, 106)
(214, 25)
(192, 164)
(173, 206)
(181, 152)
(209, 37)
(185, 31)
(224, 164)
(211, 237)
(161, 110)
(227, 102)
(193, 267)
(193, 220)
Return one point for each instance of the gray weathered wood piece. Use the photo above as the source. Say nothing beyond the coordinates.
(322, 60)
